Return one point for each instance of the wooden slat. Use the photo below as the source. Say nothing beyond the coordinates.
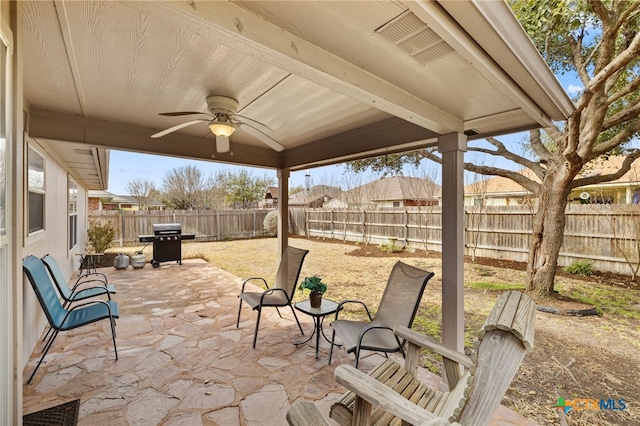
(361, 412)
(412, 358)
(305, 413)
(432, 345)
(455, 399)
(523, 325)
(509, 312)
(494, 315)
(380, 395)
(500, 355)
(453, 372)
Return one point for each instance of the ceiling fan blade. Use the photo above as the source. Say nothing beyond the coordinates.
(179, 113)
(251, 122)
(222, 144)
(266, 139)
(177, 127)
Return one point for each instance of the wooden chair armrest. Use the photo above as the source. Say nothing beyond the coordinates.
(375, 393)
(432, 345)
(304, 413)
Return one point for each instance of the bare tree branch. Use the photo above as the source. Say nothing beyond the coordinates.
(591, 180)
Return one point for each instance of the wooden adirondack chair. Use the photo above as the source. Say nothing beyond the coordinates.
(391, 393)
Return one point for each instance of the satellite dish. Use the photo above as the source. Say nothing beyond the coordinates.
(585, 195)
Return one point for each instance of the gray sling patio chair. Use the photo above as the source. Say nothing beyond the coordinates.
(397, 308)
(80, 291)
(59, 318)
(281, 294)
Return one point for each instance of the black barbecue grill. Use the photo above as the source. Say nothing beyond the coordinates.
(167, 242)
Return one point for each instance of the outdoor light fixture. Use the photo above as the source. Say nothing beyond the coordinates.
(221, 128)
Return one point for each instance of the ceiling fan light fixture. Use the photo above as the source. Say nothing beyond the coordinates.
(221, 129)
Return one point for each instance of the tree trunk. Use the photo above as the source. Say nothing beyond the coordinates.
(547, 234)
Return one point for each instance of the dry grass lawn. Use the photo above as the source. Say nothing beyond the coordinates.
(596, 357)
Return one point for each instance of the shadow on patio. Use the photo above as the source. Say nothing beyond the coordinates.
(184, 362)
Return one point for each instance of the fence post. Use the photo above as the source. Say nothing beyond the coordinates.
(364, 226)
(306, 222)
(122, 229)
(405, 219)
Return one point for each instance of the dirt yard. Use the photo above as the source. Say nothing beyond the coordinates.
(593, 357)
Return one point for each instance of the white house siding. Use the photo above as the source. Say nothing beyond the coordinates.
(53, 240)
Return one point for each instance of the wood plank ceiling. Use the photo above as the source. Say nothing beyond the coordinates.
(332, 80)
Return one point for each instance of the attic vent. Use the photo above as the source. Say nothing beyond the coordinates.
(415, 38)
(82, 151)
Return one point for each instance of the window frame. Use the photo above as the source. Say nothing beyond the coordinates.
(72, 213)
(35, 190)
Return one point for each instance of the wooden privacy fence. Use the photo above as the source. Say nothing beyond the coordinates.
(206, 225)
(602, 235)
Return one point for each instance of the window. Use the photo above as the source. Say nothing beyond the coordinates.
(396, 204)
(73, 213)
(35, 175)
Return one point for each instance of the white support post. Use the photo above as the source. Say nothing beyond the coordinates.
(283, 218)
(452, 147)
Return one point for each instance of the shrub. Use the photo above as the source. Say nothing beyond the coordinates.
(270, 222)
(100, 236)
(580, 267)
(391, 248)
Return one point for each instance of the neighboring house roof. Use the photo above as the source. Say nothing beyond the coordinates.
(272, 192)
(106, 196)
(611, 165)
(313, 194)
(503, 186)
(498, 185)
(109, 198)
(393, 189)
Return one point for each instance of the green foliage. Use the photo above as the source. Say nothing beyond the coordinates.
(609, 300)
(242, 188)
(100, 235)
(270, 222)
(580, 267)
(481, 285)
(313, 284)
(391, 247)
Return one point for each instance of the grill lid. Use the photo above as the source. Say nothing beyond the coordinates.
(167, 228)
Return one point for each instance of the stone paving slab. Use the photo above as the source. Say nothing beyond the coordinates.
(182, 361)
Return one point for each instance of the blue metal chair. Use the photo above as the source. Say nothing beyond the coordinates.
(59, 318)
(79, 291)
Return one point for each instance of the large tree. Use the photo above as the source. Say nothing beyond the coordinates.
(599, 42)
(141, 190)
(243, 188)
(183, 188)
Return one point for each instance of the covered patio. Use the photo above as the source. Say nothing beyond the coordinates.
(182, 361)
(329, 81)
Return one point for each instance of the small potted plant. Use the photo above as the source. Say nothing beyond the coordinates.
(316, 287)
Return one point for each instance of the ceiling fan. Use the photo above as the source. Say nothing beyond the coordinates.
(223, 121)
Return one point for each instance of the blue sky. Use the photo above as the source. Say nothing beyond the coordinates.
(127, 166)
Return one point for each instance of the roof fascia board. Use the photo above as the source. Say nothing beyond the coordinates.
(506, 26)
(240, 29)
(445, 25)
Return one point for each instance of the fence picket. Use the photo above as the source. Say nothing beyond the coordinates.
(595, 233)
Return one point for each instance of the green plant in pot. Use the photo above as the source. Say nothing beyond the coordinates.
(316, 287)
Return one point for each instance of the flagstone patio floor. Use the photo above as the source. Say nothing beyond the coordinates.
(182, 361)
